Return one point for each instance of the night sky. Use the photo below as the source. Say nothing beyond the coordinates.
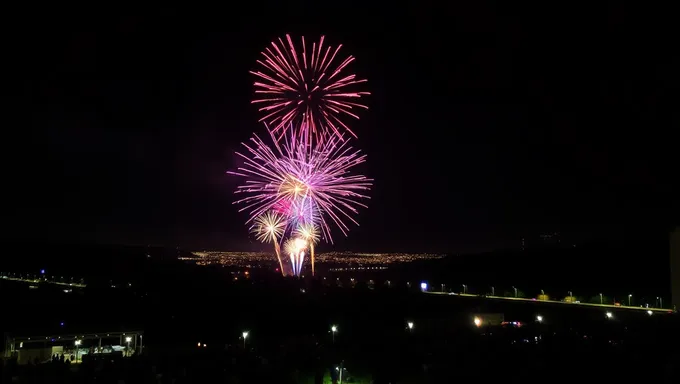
(487, 123)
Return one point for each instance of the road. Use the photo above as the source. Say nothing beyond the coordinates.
(610, 306)
(39, 281)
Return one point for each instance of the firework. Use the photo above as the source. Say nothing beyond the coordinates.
(295, 248)
(269, 228)
(306, 89)
(308, 183)
(308, 232)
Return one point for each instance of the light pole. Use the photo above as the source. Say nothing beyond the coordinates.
(515, 289)
(245, 336)
(493, 291)
(334, 328)
(77, 343)
(571, 296)
(127, 341)
(629, 297)
(410, 326)
(443, 287)
(600, 299)
(464, 288)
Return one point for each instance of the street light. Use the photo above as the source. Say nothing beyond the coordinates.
(539, 318)
(464, 288)
(77, 344)
(629, 297)
(410, 326)
(600, 299)
(609, 315)
(245, 336)
(334, 328)
(515, 291)
(493, 291)
(128, 340)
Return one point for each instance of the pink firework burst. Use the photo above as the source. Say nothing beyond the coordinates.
(306, 89)
(308, 183)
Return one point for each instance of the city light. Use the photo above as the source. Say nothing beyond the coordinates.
(249, 259)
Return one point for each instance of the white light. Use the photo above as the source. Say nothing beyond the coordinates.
(609, 315)
(334, 328)
(423, 286)
(649, 313)
(77, 342)
(539, 318)
(410, 325)
(478, 321)
(128, 339)
(245, 335)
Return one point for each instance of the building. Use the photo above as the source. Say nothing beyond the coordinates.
(41, 348)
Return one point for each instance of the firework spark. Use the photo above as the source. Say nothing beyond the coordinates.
(314, 181)
(269, 227)
(307, 89)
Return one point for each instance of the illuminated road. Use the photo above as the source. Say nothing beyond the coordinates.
(610, 306)
(38, 281)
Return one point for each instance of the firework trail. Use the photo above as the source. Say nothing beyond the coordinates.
(269, 227)
(306, 89)
(309, 184)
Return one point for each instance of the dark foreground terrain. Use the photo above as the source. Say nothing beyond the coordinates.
(289, 338)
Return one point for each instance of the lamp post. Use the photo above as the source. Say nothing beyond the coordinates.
(127, 348)
(410, 326)
(77, 344)
(493, 291)
(601, 299)
(334, 328)
(464, 288)
(629, 297)
(515, 289)
(245, 336)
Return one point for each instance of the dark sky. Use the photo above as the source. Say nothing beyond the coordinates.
(487, 122)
